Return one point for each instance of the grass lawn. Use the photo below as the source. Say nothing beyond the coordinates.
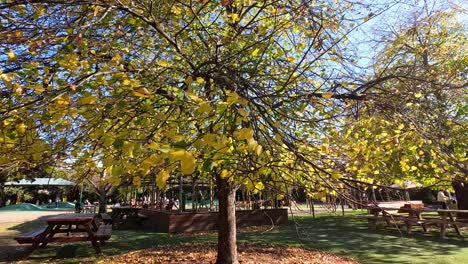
(348, 235)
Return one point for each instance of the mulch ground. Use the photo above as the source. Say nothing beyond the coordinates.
(206, 253)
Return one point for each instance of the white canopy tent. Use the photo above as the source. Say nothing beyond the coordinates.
(41, 182)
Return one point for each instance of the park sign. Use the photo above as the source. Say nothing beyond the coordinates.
(41, 182)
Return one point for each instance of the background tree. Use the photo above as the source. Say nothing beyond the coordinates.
(248, 93)
(414, 127)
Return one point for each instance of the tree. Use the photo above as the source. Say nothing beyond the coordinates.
(243, 92)
(414, 127)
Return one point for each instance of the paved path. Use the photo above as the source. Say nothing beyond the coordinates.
(21, 216)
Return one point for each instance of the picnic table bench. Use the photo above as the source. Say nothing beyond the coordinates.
(106, 218)
(410, 214)
(32, 237)
(86, 228)
(388, 212)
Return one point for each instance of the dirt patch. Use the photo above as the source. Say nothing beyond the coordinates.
(206, 253)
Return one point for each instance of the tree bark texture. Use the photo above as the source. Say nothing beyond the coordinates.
(102, 201)
(461, 192)
(227, 248)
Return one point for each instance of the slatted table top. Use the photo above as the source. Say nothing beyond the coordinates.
(71, 218)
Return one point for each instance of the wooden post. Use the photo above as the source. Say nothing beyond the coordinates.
(152, 200)
(194, 194)
(360, 198)
(211, 194)
(181, 197)
(312, 207)
(342, 205)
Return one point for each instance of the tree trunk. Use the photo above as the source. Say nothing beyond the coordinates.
(102, 201)
(461, 192)
(227, 248)
(374, 198)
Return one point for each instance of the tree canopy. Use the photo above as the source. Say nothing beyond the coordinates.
(252, 93)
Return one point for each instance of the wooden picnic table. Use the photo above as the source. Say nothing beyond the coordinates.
(90, 208)
(83, 227)
(122, 214)
(446, 218)
(84, 223)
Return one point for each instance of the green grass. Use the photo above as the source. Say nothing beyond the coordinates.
(348, 235)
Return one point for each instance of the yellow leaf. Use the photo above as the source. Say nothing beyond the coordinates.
(417, 95)
(137, 181)
(143, 90)
(188, 80)
(187, 161)
(87, 100)
(210, 139)
(336, 175)
(126, 82)
(194, 97)
(187, 164)
(327, 95)
(11, 55)
(401, 126)
(244, 133)
(259, 186)
(62, 101)
(249, 184)
(232, 98)
(255, 52)
(233, 17)
(200, 80)
(225, 174)
(127, 149)
(163, 63)
(162, 178)
(176, 10)
(178, 154)
(21, 128)
(7, 77)
(204, 108)
(258, 150)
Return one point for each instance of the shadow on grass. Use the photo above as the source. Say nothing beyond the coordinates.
(350, 236)
(121, 242)
(347, 235)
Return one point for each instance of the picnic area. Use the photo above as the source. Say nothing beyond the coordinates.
(330, 237)
(234, 131)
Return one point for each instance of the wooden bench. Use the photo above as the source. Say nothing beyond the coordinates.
(104, 233)
(32, 237)
(416, 215)
(124, 217)
(390, 213)
(106, 218)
